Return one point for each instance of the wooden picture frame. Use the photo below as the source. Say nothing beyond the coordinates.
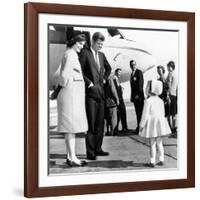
(31, 104)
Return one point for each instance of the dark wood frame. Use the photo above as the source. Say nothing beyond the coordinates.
(32, 10)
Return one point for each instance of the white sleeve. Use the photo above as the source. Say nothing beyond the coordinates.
(145, 113)
(66, 69)
(162, 108)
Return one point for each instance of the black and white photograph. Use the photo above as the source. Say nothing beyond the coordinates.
(109, 100)
(113, 101)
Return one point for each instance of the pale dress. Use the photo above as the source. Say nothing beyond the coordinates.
(153, 119)
(71, 98)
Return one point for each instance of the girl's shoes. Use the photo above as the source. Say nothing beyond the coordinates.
(150, 165)
(161, 163)
(74, 164)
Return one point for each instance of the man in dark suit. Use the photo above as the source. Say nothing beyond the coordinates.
(96, 70)
(137, 94)
(121, 115)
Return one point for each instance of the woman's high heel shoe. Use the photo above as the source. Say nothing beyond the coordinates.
(74, 164)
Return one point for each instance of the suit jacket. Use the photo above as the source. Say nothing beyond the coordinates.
(111, 95)
(118, 88)
(92, 74)
(137, 82)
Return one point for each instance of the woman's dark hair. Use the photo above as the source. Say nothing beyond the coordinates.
(76, 38)
(171, 64)
(162, 68)
(98, 36)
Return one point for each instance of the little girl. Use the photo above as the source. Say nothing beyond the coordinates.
(153, 124)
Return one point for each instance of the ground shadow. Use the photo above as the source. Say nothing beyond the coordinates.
(124, 133)
(58, 156)
(170, 145)
(57, 135)
(52, 127)
(64, 156)
(112, 164)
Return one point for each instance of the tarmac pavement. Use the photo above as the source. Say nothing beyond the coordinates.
(127, 150)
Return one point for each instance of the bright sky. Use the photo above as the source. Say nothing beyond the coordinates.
(162, 44)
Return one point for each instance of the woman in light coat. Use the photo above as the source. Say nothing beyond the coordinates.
(71, 99)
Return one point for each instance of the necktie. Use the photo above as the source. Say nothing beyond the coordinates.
(97, 60)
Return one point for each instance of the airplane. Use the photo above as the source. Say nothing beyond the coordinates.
(119, 50)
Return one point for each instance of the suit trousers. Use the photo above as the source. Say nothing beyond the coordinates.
(139, 104)
(95, 116)
(121, 115)
(111, 119)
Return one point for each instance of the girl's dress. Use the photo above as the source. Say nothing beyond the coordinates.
(153, 119)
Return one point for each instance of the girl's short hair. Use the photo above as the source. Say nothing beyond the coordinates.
(171, 64)
(76, 38)
(162, 68)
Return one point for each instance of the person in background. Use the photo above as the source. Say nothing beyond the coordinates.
(121, 114)
(164, 95)
(172, 85)
(137, 94)
(96, 70)
(71, 99)
(153, 124)
(111, 103)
